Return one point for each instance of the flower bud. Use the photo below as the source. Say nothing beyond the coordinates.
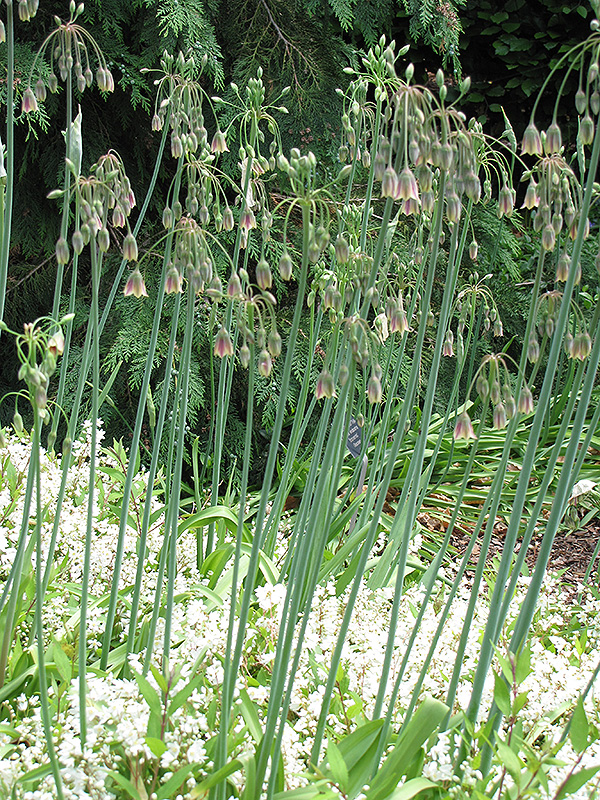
(285, 266)
(244, 355)
(103, 239)
(533, 349)
(586, 130)
(18, 422)
(265, 364)
(228, 221)
(264, 278)
(274, 342)
(548, 238)
(389, 183)
(342, 251)
(482, 386)
(62, 251)
(374, 390)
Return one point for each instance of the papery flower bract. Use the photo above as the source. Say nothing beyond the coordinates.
(223, 344)
(532, 141)
(135, 285)
(325, 385)
(56, 343)
(464, 427)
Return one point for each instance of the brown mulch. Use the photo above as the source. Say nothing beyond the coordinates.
(571, 553)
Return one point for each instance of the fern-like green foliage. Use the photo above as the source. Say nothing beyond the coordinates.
(437, 24)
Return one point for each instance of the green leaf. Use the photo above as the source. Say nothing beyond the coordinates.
(576, 781)
(126, 784)
(501, 694)
(510, 759)
(157, 746)
(412, 788)
(337, 767)
(217, 777)
(359, 749)
(423, 723)
(170, 787)
(523, 665)
(149, 694)
(63, 665)
(579, 730)
(182, 695)
(250, 715)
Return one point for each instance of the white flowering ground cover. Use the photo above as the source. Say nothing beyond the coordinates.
(564, 651)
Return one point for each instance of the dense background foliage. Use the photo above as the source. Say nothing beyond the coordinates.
(506, 48)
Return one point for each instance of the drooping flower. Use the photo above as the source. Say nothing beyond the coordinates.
(223, 343)
(219, 143)
(464, 427)
(135, 285)
(374, 390)
(325, 385)
(532, 141)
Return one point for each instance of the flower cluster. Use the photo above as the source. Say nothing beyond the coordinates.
(69, 46)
